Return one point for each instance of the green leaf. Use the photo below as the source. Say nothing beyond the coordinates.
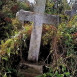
(8, 51)
(49, 74)
(5, 58)
(0, 2)
(60, 75)
(67, 73)
(44, 75)
(2, 42)
(5, 75)
(56, 73)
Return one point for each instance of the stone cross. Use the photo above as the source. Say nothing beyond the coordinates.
(73, 11)
(38, 17)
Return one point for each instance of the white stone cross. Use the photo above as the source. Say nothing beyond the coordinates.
(38, 17)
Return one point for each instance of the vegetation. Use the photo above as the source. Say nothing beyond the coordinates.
(60, 71)
(8, 22)
(56, 6)
(60, 42)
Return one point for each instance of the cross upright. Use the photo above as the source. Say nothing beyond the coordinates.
(38, 17)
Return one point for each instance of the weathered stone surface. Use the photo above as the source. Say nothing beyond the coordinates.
(30, 70)
(51, 19)
(37, 31)
(25, 15)
(39, 7)
(35, 43)
(45, 18)
(38, 17)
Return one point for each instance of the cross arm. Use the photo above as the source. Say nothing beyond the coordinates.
(51, 19)
(43, 18)
(25, 15)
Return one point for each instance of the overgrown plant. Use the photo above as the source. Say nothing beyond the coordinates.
(11, 54)
(60, 71)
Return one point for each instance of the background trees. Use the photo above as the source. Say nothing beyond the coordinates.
(56, 6)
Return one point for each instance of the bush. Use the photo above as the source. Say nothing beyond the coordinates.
(12, 52)
(5, 26)
(63, 47)
(23, 6)
(60, 71)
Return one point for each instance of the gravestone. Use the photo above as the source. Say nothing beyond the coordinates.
(38, 17)
(73, 11)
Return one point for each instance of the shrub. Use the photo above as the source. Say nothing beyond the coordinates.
(60, 71)
(23, 6)
(12, 52)
(5, 26)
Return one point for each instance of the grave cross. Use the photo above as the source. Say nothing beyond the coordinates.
(38, 17)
